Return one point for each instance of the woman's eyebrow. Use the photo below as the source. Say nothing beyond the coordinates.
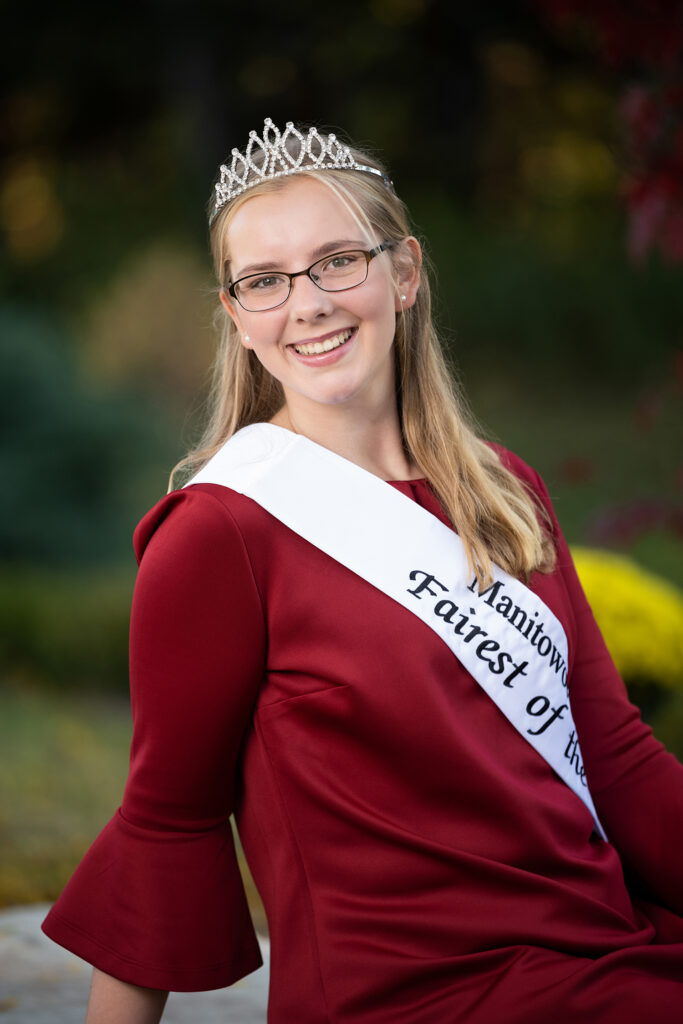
(337, 245)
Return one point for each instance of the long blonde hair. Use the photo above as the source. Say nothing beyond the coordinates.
(497, 518)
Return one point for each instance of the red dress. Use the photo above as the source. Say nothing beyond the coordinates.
(418, 861)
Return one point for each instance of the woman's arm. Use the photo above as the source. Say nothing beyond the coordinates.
(158, 902)
(116, 1002)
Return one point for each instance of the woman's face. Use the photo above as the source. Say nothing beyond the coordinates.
(288, 230)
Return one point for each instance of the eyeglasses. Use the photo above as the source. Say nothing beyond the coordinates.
(336, 273)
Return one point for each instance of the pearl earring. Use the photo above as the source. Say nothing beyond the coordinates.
(403, 298)
(247, 338)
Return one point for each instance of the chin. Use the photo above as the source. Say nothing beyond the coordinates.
(337, 398)
(333, 396)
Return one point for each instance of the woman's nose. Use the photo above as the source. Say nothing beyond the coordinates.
(307, 301)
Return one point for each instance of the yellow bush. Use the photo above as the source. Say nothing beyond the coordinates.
(640, 615)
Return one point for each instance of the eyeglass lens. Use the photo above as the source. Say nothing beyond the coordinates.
(332, 273)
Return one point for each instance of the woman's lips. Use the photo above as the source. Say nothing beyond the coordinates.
(326, 349)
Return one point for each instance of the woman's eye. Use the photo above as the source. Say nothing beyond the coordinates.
(263, 283)
(341, 262)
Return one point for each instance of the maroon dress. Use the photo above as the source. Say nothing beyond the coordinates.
(419, 862)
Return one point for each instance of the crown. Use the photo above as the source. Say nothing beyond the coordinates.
(280, 153)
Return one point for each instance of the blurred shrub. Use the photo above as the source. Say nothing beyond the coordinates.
(540, 307)
(152, 327)
(78, 465)
(65, 629)
(640, 615)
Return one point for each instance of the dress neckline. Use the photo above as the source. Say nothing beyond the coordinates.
(414, 480)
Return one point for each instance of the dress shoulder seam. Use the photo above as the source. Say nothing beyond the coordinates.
(226, 509)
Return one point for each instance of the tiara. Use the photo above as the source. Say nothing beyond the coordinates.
(270, 157)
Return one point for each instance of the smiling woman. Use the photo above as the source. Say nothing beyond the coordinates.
(325, 333)
(358, 628)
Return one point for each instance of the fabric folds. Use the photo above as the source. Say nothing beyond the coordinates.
(172, 901)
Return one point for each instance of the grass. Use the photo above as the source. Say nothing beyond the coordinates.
(65, 761)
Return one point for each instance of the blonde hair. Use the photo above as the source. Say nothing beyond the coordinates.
(497, 518)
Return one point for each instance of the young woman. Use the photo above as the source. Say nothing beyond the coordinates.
(359, 629)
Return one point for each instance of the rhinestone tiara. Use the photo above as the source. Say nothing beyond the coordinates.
(269, 157)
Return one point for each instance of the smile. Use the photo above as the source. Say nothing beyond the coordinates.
(317, 347)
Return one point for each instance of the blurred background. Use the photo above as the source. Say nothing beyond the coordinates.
(539, 146)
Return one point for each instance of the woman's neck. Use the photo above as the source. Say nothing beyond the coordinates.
(373, 442)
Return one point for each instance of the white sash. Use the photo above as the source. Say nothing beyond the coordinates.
(506, 637)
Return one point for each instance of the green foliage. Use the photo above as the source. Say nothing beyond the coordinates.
(666, 720)
(66, 629)
(555, 315)
(603, 455)
(75, 463)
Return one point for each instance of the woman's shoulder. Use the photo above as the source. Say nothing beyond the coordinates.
(534, 483)
(521, 469)
(210, 514)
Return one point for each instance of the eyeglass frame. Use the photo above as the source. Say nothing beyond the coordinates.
(368, 253)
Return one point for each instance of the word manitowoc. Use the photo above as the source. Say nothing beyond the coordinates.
(527, 625)
(501, 656)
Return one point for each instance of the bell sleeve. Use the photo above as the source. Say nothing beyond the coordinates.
(158, 900)
(637, 786)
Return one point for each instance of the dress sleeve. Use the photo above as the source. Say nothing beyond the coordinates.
(158, 899)
(637, 786)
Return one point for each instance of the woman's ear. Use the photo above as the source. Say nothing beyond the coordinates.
(228, 305)
(231, 309)
(408, 267)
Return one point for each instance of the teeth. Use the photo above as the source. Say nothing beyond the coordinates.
(316, 347)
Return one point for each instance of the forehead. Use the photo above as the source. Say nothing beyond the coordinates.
(295, 221)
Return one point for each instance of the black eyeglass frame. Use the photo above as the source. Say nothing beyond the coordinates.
(368, 253)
